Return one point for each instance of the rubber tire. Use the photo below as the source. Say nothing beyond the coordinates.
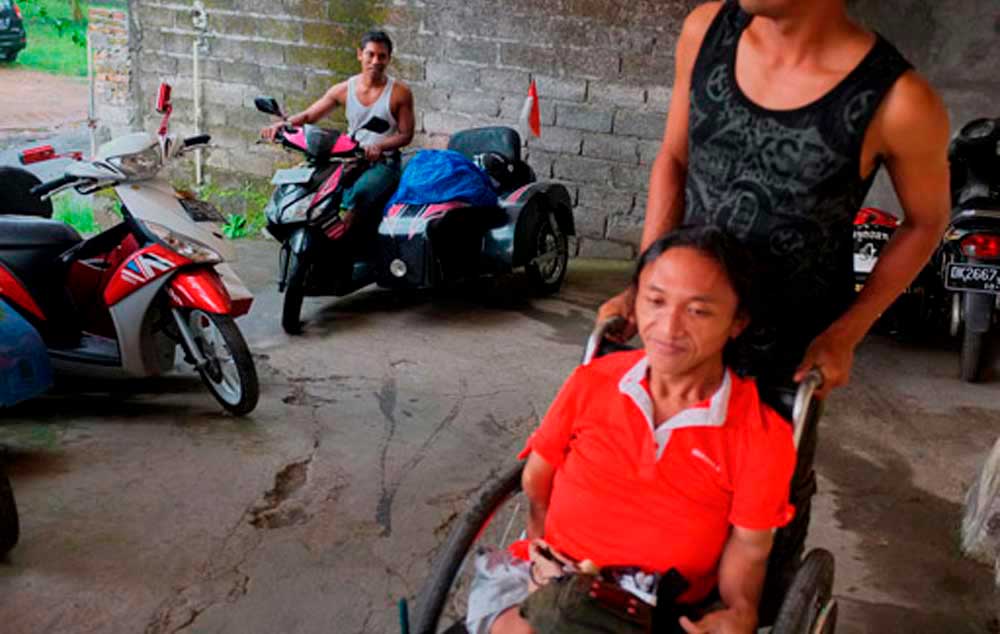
(11, 57)
(10, 526)
(972, 356)
(295, 291)
(244, 366)
(17, 199)
(434, 593)
(537, 228)
(811, 589)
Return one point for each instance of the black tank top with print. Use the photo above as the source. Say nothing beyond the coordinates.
(787, 183)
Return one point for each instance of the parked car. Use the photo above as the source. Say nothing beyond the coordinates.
(12, 35)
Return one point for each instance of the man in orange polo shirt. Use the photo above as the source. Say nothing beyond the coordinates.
(659, 458)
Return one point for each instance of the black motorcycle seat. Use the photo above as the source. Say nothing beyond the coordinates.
(30, 247)
(500, 139)
(26, 232)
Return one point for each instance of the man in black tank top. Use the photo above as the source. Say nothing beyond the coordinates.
(782, 112)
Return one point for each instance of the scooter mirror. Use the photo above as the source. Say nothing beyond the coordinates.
(268, 105)
(163, 98)
(377, 125)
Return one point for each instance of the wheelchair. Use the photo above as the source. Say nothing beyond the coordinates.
(798, 592)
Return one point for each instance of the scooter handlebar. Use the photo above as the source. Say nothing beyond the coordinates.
(45, 189)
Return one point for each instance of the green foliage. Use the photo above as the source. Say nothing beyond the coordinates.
(75, 211)
(235, 227)
(56, 42)
(249, 197)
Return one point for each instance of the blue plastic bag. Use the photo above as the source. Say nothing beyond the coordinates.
(439, 176)
(25, 369)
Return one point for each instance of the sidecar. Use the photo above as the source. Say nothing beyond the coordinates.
(25, 369)
(424, 245)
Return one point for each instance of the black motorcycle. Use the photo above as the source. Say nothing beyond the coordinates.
(970, 251)
(414, 245)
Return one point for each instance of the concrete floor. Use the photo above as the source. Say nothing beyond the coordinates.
(144, 509)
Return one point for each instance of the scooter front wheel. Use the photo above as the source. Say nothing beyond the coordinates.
(229, 371)
(295, 290)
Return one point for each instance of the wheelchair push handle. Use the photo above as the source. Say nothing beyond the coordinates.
(803, 400)
(597, 336)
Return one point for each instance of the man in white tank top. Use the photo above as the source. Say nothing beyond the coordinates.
(371, 93)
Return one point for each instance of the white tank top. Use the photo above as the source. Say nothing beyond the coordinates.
(358, 114)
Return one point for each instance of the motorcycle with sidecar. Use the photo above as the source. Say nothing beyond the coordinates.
(415, 245)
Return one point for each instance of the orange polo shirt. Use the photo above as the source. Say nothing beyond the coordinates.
(629, 493)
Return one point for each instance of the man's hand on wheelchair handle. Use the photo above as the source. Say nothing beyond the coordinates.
(833, 353)
(621, 305)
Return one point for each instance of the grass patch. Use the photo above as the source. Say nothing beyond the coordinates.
(56, 43)
(75, 211)
(249, 197)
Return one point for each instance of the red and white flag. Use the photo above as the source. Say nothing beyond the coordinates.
(531, 116)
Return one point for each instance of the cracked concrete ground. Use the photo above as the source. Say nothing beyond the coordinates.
(144, 509)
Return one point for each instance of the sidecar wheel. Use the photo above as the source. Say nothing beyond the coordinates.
(549, 253)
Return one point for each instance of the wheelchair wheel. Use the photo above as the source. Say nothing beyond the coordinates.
(497, 519)
(809, 606)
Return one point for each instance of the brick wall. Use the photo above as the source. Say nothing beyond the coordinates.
(603, 71)
(109, 38)
(603, 67)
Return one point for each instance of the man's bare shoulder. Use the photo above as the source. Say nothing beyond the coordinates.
(913, 114)
(401, 91)
(697, 22)
(338, 91)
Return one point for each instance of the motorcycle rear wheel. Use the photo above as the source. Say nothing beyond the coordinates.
(230, 373)
(295, 290)
(972, 356)
(10, 526)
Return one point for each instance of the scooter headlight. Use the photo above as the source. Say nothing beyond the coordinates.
(143, 164)
(183, 245)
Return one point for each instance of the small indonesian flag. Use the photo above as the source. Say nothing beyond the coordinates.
(531, 117)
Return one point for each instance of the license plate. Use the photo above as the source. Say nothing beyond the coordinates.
(292, 176)
(973, 277)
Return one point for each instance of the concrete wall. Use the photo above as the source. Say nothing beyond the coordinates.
(603, 68)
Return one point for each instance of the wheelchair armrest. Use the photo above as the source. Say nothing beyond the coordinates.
(598, 345)
(803, 401)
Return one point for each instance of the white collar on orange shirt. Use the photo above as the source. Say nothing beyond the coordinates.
(712, 416)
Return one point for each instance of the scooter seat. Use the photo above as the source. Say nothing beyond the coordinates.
(30, 248)
(24, 232)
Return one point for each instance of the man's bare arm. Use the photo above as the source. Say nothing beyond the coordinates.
(665, 201)
(536, 481)
(335, 96)
(912, 124)
(741, 581)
